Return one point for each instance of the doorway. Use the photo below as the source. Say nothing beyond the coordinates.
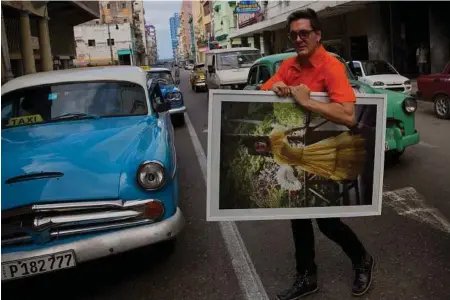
(359, 49)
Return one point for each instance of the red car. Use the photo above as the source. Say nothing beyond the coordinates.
(436, 88)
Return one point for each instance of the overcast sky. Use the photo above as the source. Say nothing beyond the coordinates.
(158, 13)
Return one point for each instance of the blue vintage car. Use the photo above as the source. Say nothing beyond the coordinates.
(89, 168)
(169, 89)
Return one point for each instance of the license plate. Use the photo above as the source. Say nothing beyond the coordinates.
(38, 265)
(386, 146)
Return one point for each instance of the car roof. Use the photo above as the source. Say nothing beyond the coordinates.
(281, 56)
(159, 70)
(231, 50)
(114, 73)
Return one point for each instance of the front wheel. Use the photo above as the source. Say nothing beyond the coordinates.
(442, 106)
(178, 120)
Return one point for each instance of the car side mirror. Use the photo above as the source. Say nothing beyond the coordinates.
(211, 70)
(162, 107)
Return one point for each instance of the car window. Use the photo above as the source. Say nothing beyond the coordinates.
(264, 74)
(252, 76)
(357, 68)
(163, 77)
(377, 67)
(237, 59)
(277, 65)
(48, 102)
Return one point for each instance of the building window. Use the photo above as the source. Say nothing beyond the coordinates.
(108, 6)
(124, 5)
(125, 20)
(97, 22)
(137, 18)
(110, 42)
(91, 43)
(206, 8)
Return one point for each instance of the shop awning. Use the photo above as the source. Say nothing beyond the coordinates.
(125, 52)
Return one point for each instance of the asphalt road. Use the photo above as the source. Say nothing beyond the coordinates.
(410, 240)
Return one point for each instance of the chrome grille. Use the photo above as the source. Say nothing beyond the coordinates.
(42, 223)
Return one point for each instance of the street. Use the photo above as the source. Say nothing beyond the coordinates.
(410, 240)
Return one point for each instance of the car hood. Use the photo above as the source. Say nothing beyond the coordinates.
(233, 76)
(386, 78)
(85, 156)
(394, 99)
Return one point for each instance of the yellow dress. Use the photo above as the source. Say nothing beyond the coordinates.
(338, 158)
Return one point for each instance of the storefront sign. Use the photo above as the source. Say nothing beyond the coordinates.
(247, 7)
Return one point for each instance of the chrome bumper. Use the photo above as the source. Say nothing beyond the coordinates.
(178, 110)
(111, 243)
(203, 84)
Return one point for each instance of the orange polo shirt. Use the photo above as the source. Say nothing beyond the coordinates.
(324, 74)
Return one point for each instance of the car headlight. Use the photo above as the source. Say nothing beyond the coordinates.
(378, 83)
(174, 96)
(407, 82)
(410, 105)
(151, 175)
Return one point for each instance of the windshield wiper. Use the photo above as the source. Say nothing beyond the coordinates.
(71, 116)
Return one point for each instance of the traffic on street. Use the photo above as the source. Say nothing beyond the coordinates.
(254, 259)
(225, 150)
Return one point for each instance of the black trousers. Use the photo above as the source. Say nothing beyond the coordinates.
(334, 229)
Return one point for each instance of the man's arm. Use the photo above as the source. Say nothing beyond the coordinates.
(342, 108)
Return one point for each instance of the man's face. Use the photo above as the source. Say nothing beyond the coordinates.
(303, 37)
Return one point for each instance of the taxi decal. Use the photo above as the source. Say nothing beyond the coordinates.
(26, 120)
(145, 68)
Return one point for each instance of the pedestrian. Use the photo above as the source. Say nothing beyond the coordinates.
(177, 73)
(314, 69)
(422, 59)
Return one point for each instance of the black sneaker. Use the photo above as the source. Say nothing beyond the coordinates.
(363, 275)
(304, 285)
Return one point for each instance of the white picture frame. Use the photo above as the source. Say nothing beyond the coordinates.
(216, 100)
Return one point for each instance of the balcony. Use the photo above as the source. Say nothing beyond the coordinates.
(202, 43)
(258, 17)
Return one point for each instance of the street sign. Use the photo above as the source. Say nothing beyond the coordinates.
(247, 7)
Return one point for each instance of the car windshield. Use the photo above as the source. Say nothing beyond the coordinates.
(164, 77)
(377, 67)
(56, 102)
(347, 69)
(199, 67)
(237, 59)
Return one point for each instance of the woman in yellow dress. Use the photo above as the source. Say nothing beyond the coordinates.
(338, 158)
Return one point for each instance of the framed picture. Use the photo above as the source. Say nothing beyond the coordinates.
(268, 158)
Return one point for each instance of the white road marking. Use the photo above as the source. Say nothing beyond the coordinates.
(248, 279)
(409, 203)
(427, 145)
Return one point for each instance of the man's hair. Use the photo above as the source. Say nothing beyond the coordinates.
(309, 14)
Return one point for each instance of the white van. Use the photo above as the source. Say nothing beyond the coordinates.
(228, 68)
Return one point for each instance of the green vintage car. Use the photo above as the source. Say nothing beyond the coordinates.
(400, 123)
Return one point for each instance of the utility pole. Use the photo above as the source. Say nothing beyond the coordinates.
(110, 46)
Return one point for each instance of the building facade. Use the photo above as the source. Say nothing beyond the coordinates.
(152, 46)
(95, 48)
(359, 30)
(120, 12)
(225, 23)
(38, 36)
(174, 23)
(187, 14)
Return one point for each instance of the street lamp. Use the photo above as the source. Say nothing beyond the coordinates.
(110, 43)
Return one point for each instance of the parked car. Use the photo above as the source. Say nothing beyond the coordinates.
(171, 92)
(436, 88)
(197, 78)
(381, 75)
(89, 168)
(228, 68)
(190, 67)
(400, 125)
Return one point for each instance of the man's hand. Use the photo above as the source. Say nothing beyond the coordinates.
(301, 94)
(281, 89)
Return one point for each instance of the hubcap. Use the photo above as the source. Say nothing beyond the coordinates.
(442, 106)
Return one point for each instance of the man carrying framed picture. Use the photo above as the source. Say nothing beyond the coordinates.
(313, 69)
